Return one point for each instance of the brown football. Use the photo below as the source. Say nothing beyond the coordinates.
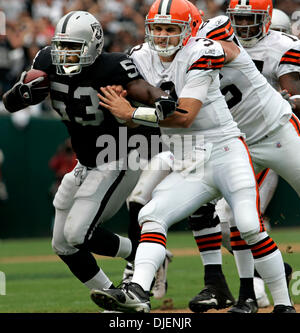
(35, 73)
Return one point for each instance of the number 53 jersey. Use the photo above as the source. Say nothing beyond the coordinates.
(75, 99)
(255, 105)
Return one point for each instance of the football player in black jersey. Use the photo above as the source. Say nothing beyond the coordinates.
(95, 190)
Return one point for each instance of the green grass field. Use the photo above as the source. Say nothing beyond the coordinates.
(38, 282)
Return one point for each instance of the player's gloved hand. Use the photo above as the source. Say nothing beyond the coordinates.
(166, 106)
(287, 96)
(30, 93)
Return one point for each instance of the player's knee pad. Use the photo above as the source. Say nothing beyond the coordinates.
(246, 213)
(61, 247)
(204, 217)
(80, 221)
(253, 236)
(64, 196)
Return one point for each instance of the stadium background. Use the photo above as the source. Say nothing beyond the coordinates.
(30, 139)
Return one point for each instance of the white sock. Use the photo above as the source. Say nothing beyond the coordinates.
(245, 263)
(211, 257)
(271, 269)
(99, 281)
(149, 257)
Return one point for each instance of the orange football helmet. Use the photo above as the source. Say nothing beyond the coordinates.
(256, 17)
(169, 12)
(196, 17)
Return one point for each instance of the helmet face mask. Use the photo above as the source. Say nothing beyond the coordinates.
(167, 12)
(169, 49)
(250, 21)
(77, 42)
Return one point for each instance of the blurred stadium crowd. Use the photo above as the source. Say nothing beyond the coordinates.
(30, 26)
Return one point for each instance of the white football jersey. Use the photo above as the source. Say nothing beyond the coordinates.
(255, 105)
(275, 55)
(202, 57)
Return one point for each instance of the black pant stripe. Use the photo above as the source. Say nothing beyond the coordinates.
(104, 202)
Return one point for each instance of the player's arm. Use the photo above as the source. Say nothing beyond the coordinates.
(166, 113)
(24, 94)
(231, 50)
(288, 72)
(291, 83)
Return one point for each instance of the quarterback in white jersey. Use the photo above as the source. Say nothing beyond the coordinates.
(194, 69)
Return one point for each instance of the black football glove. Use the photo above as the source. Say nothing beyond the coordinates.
(166, 106)
(29, 93)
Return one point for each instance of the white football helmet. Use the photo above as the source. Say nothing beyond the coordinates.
(280, 21)
(79, 34)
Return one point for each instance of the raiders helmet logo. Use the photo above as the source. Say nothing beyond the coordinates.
(96, 27)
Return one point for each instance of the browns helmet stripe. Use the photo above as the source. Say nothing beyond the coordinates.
(244, 2)
(164, 7)
(64, 27)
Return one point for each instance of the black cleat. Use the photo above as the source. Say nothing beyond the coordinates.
(129, 298)
(283, 309)
(244, 306)
(211, 297)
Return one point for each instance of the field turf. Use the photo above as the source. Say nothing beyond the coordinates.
(38, 282)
